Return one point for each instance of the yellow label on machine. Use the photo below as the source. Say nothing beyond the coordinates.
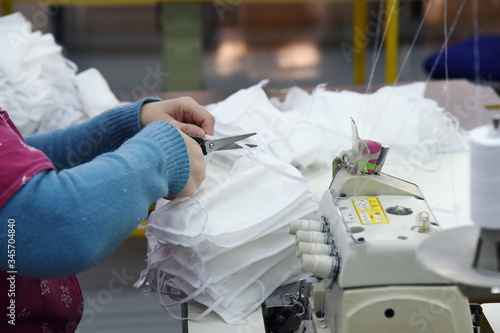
(369, 210)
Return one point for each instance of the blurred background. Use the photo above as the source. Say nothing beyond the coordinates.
(239, 44)
(290, 43)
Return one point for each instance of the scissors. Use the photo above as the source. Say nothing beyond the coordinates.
(211, 145)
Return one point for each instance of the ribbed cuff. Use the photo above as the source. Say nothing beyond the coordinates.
(176, 158)
(123, 122)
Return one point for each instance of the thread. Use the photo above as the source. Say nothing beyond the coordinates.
(485, 178)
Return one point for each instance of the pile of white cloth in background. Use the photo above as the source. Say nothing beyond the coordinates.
(310, 130)
(39, 87)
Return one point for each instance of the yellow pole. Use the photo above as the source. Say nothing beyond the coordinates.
(391, 40)
(7, 7)
(360, 40)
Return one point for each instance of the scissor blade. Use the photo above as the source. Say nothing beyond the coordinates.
(226, 143)
(237, 146)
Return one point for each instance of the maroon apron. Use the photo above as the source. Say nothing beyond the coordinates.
(33, 305)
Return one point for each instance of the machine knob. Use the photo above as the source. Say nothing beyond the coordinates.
(312, 237)
(424, 224)
(399, 210)
(306, 225)
(313, 248)
(321, 265)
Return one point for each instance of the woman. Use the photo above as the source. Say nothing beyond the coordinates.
(70, 197)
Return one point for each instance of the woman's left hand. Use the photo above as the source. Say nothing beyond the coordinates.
(184, 113)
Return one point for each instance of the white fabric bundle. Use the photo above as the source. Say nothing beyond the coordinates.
(95, 93)
(228, 246)
(37, 83)
(399, 116)
(310, 130)
(288, 136)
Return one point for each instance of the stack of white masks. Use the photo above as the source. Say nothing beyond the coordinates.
(228, 246)
(38, 85)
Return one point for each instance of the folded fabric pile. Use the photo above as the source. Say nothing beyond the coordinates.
(228, 246)
(39, 86)
(310, 130)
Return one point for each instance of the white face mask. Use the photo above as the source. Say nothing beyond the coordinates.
(237, 210)
(186, 264)
(241, 219)
(238, 295)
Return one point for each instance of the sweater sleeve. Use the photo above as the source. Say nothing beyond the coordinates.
(66, 222)
(80, 143)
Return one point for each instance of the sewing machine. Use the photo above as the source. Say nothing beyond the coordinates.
(363, 250)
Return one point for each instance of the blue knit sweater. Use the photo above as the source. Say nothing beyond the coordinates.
(109, 173)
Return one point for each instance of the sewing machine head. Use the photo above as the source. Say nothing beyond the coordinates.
(363, 249)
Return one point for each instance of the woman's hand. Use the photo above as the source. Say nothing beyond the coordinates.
(192, 120)
(197, 169)
(184, 113)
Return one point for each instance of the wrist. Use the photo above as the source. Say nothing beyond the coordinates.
(123, 122)
(176, 164)
(147, 113)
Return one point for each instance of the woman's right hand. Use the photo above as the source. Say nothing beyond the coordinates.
(197, 167)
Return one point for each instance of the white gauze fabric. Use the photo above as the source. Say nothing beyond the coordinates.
(399, 116)
(310, 130)
(95, 93)
(288, 136)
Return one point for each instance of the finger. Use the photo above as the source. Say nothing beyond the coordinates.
(204, 120)
(208, 125)
(196, 114)
(189, 129)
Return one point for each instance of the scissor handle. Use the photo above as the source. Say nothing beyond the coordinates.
(201, 142)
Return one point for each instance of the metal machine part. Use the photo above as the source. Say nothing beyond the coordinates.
(287, 307)
(457, 262)
(487, 258)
